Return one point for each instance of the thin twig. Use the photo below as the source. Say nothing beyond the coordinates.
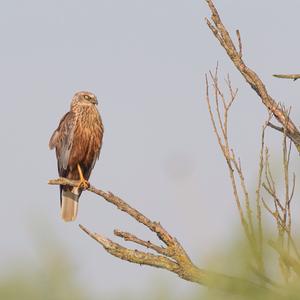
(132, 238)
(234, 165)
(258, 191)
(240, 43)
(278, 128)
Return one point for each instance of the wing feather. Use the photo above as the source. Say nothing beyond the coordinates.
(62, 140)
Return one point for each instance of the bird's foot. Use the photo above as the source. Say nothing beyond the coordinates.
(83, 184)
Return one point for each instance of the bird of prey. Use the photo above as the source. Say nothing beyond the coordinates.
(77, 141)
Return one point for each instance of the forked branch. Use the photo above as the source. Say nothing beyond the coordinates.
(220, 32)
(172, 256)
(219, 120)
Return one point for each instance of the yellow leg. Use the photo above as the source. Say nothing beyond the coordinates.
(83, 182)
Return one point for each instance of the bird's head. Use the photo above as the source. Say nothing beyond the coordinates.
(84, 98)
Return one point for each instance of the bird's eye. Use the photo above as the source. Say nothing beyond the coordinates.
(86, 97)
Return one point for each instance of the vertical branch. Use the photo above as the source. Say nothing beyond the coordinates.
(288, 196)
(258, 189)
(220, 126)
(282, 209)
(238, 167)
(223, 143)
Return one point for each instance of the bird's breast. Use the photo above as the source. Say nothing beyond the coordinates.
(87, 136)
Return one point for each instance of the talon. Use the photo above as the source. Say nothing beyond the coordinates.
(83, 183)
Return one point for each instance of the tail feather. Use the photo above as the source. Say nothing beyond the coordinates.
(69, 204)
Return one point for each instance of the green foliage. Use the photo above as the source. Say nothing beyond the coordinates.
(54, 280)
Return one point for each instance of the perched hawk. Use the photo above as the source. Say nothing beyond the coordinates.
(77, 142)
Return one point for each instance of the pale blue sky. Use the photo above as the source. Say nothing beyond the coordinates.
(145, 60)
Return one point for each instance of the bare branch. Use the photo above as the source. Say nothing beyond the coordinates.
(280, 129)
(134, 256)
(240, 43)
(173, 257)
(259, 186)
(282, 213)
(220, 125)
(221, 33)
(287, 76)
(122, 205)
(132, 238)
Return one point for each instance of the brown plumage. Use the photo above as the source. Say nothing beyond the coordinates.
(77, 142)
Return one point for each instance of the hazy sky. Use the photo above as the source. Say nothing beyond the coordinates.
(145, 60)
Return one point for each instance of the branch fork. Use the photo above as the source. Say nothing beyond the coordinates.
(172, 256)
(220, 32)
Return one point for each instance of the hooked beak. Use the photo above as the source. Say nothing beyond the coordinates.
(95, 101)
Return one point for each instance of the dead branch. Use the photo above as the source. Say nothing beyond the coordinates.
(223, 36)
(219, 122)
(287, 76)
(259, 200)
(280, 129)
(171, 257)
(281, 212)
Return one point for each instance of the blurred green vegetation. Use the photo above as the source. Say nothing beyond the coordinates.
(235, 259)
(56, 279)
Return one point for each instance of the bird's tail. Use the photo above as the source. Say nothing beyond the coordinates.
(69, 204)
